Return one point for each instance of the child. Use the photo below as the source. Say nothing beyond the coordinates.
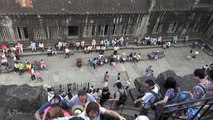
(32, 74)
(38, 76)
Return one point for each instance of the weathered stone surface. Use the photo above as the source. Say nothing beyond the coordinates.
(163, 76)
(133, 92)
(20, 102)
(139, 83)
(187, 82)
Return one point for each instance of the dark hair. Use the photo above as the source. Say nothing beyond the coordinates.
(76, 118)
(170, 83)
(150, 82)
(82, 93)
(92, 106)
(119, 85)
(199, 73)
(56, 101)
(210, 74)
(105, 89)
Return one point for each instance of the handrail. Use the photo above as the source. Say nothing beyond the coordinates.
(190, 104)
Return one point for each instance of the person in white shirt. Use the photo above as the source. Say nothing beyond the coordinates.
(93, 111)
(67, 53)
(149, 98)
(41, 45)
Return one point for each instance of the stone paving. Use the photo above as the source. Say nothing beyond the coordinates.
(63, 71)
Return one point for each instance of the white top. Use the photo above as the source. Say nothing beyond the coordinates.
(101, 111)
(41, 45)
(67, 50)
(149, 97)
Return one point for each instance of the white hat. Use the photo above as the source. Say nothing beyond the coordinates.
(142, 117)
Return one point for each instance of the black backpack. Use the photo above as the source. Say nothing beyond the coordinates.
(158, 97)
(122, 99)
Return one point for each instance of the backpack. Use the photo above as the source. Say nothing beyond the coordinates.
(158, 97)
(122, 99)
(202, 87)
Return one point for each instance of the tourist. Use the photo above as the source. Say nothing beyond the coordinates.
(168, 44)
(142, 117)
(54, 112)
(93, 43)
(28, 66)
(49, 52)
(149, 98)
(33, 74)
(189, 56)
(41, 45)
(118, 79)
(20, 68)
(53, 50)
(93, 112)
(81, 98)
(113, 42)
(106, 79)
(194, 45)
(172, 95)
(126, 41)
(186, 39)
(148, 70)
(16, 65)
(4, 48)
(97, 49)
(105, 95)
(94, 63)
(203, 46)
(77, 46)
(4, 61)
(175, 40)
(96, 94)
(119, 97)
(128, 82)
(103, 48)
(42, 65)
(138, 58)
(82, 45)
(33, 46)
(209, 92)
(64, 44)
(55, 100)
(59, 45)
(38, 76)
(101, 42)
(159, 40)
(200, 89)
(20, 48)
(67, 52)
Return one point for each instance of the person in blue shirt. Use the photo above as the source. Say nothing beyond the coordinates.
(81, 98)
(56, 98)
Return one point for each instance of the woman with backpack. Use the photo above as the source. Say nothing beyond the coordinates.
(171, 96)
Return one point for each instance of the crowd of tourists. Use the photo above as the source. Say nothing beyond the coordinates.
(13, 52)
(175, 94)
(89, 104)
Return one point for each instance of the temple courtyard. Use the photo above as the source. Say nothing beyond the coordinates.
(64, 71)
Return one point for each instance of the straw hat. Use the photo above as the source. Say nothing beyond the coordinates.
(77, 109)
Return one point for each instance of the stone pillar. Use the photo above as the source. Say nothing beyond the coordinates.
(7, 22)
(145, 21)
